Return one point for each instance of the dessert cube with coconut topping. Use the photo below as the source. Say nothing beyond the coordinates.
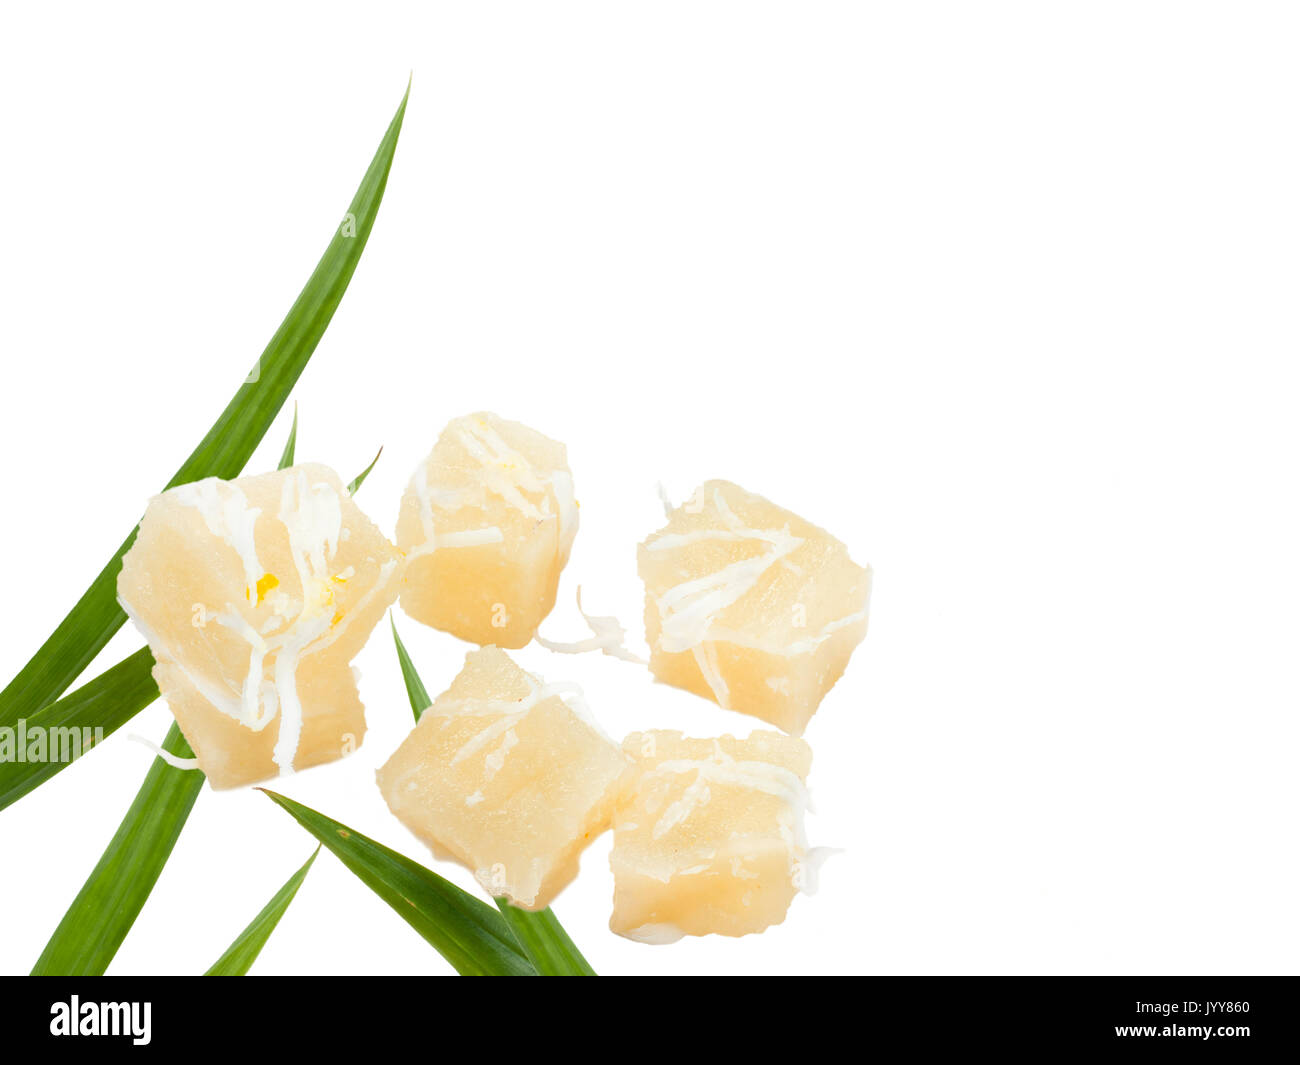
(710, 837)
(487, 523)
(508, 775)
(254, 596)
(750, 605)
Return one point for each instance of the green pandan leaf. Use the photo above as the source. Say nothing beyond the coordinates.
(99, 708)
(103, 912)
(107, 905)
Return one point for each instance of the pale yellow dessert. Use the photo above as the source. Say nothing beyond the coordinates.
(750, 605)
(487, 523)
(710, 836)
(255, 595)
(509, 776)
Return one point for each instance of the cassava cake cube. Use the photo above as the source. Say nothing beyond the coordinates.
(254, 596)
(750, 605)
(487, 523)
(710, 836)
(509, 776)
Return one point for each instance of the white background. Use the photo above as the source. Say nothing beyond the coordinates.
(1004, 295)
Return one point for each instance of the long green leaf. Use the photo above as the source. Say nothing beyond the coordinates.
(471, 935)
(540, 935)
(223, 452)
(94, 927)
(102, 913)
(106, 703)
(237, 960)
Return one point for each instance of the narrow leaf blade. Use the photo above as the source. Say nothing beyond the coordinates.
(102, 913)
(360, 478)
(105, 703)
(545, 942)
(471, 935)
(238, 959)
(290, 445)
(81, 635)
(540, 935)
(223, 452)
(415, 690)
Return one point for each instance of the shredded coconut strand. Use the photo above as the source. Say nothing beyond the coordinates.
(764, 777)
(505, 473)
(663, 498)
(656, 934)
(811, 864)
(607, 636)
(228, 516)
(490, 534)
(171, 759)
(706, 657)
(688, 610)
(511, 713)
